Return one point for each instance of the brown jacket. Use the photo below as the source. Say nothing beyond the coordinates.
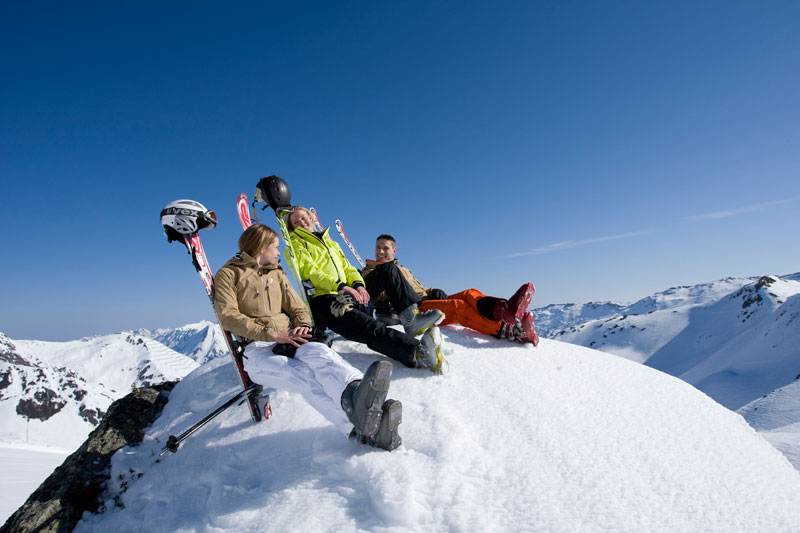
(254, 303)
(382, 300)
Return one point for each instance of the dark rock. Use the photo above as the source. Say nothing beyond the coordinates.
(44, 404)
(76, 486)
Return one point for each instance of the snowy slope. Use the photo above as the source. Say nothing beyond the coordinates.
(556, 438)
(46, 404)
(118, 361)
(555, 318)
(24, 469)
(735, 345)
(741, 347)
(201, 341)
(635, 331)
(776, 417)
(54, 393)
(635, 337)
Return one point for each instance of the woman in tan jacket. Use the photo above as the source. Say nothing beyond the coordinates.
(255, 301)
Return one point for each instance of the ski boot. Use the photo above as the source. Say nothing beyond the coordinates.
(362, 400)
(416, 322)
(521, 331)
(514, 308)
(429, 352)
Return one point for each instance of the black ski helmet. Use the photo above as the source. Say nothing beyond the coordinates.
(274, 191)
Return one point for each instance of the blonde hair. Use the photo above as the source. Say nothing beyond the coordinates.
(291, 225)
(255, 238)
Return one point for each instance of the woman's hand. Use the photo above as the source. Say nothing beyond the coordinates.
(295, 336)
(360, 294)
(303, 331)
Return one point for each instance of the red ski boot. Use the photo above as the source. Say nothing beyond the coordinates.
(521, 331)
(513, 309)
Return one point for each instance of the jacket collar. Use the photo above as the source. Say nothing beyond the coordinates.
(305, 234)
(245, 260)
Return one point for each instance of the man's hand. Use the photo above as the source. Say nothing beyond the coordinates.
(360, 294)
(342, 304)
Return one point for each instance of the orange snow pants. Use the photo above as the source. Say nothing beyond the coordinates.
(462, 308)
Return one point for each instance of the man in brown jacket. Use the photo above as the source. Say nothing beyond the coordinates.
(385, 249)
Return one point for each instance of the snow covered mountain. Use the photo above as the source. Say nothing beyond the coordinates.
(201, 341)
(54, 393)
(553, 438)
(46, 403)
(575, 322)
(734, 338)
(741, 347)
(553, 320)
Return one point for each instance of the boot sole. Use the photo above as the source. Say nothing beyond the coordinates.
(392, 416)
(372, 405)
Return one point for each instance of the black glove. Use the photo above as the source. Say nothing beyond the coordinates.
(437, 294)
(342, 304)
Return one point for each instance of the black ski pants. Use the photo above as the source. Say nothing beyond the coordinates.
(358, 326)
(388, 278)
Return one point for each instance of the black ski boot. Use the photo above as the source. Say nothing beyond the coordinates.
(362, 400)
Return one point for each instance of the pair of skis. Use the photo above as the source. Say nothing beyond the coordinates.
(251, 391)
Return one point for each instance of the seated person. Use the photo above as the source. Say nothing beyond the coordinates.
(505, 319)
(340, 295)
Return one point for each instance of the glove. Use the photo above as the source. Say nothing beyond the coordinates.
(437, 294)
(342, 304)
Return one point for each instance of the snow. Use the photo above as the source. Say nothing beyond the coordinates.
(201, 341)
(776, 417)
(735, 339)
(553, 438)
(74, 382)
(24, 469)
(115, 361)
(741, 347)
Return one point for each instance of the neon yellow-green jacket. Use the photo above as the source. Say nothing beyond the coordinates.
(321, 261)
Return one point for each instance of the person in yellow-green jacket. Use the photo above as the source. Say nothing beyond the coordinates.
(341, 298)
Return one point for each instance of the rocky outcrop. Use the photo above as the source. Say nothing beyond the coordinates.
(76, 486)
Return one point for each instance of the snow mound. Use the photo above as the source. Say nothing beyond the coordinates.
(556, 438)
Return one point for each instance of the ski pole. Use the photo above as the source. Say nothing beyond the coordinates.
(173, 441)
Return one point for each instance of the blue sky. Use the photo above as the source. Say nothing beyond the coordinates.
(601, 150)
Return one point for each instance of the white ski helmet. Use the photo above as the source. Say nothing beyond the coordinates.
(186, 217)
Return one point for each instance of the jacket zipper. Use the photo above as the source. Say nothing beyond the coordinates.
(264, 297)
(327, 249)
